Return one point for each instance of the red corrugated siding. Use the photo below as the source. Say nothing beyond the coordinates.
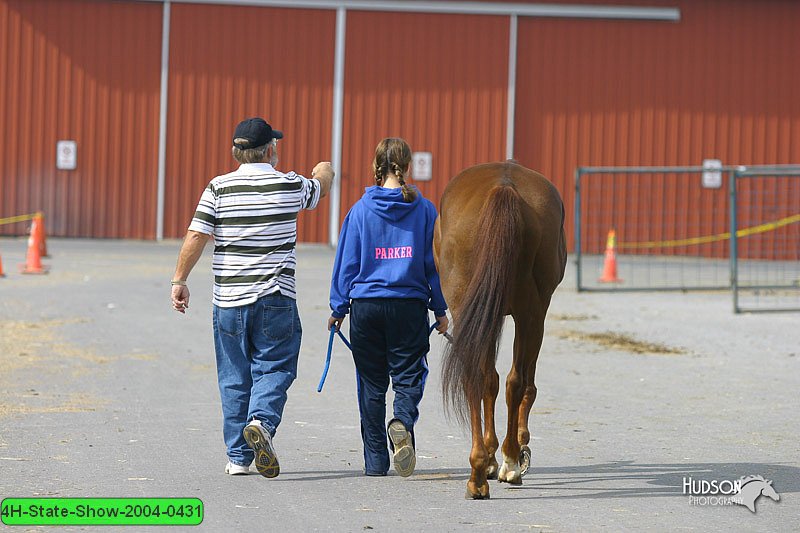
(720, 84)
(86, 71)
(414, 76)
(228, 63)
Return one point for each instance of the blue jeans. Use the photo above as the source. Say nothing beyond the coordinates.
(257, 346)
(390, 340)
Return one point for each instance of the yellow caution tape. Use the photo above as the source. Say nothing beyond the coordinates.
(744, 232)
(18, 218)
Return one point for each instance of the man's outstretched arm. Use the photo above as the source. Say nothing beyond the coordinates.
(190, 253)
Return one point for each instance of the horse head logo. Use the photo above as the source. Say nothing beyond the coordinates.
(752, 488)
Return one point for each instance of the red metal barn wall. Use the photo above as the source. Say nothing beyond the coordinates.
(438, 81)
(231, 62)
(86, 71)
(719, 84)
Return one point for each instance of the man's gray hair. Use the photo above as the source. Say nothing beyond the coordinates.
(250, 155)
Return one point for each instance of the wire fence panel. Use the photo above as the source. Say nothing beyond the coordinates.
(671, 232)
(766, 242)
(669, 228)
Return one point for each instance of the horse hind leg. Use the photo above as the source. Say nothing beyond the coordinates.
(510, 471)
(527, 342)
(477, 486)
(523, 431)
(490, 433)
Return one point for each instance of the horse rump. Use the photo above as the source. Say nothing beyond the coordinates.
(478, 321)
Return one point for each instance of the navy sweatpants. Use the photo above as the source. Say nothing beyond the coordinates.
(390, 339)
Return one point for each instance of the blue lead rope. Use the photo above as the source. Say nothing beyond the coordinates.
(327, 361)
(328, 357)
(347, 343)
(344, 340)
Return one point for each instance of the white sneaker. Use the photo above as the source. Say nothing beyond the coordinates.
(260, 441)
(236, 470)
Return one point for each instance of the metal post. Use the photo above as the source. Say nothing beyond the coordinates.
(577, 222)
(337, 127)
(512, 85)
(162, 122)
(734, 247)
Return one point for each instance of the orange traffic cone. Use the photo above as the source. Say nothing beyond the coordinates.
(610, 263)
(33, 263)
(37, 229)
(1, 268)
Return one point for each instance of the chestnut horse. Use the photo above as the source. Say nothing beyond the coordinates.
(500, 249)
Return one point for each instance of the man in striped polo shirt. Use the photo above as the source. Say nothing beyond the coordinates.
(251, 214)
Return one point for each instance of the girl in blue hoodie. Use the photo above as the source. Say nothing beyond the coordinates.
(385, 277)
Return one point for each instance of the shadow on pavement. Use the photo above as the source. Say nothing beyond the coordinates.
(608, 480)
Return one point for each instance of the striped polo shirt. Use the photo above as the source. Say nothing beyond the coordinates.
(252, 215)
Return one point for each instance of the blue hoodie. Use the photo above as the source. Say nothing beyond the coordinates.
(386, 251)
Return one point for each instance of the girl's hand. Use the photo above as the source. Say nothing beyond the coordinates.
(335, 322)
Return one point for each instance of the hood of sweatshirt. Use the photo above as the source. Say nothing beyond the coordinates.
(388, 203)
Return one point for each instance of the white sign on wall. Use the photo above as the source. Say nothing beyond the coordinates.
(712, 179)
(422, 166)
(66, 155)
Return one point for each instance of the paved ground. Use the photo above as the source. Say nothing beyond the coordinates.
(104, 391)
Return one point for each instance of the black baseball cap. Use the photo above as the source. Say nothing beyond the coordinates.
(257, 133)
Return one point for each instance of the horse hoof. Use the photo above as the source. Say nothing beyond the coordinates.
(477, 492)
(510, 473)
(491, 471)
(524, 459)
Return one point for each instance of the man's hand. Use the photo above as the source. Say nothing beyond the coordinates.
(334, 322)
(180, 298)
(323, 171)
(191, 250)
(443, 324)
(323, 167)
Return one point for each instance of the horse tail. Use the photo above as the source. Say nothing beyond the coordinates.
(471, 357)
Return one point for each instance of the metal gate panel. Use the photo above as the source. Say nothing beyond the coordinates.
(752, 244)
(670, 232)
(766, 240)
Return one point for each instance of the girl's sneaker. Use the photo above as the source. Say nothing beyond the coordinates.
(405, 458)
